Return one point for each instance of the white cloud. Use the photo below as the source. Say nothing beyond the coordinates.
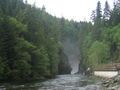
(70, 9)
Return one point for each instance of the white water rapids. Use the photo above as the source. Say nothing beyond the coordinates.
(61, 82)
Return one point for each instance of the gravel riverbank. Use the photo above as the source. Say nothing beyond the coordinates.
(111, 84)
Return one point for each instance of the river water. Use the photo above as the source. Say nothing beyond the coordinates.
(61, 82)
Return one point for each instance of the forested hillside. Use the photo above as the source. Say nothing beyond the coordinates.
(32, 41)
(101, 43)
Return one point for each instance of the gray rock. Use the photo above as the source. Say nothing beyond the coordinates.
(112, 84)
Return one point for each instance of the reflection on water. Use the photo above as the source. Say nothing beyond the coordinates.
(61, 82)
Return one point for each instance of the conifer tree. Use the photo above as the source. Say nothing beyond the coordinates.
(115, 15)
(98, 18)
(106, 15)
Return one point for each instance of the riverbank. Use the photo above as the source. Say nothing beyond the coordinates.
(107, 83)
(112, 84)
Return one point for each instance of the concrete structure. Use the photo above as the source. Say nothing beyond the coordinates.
(107, 70)
(106, 74)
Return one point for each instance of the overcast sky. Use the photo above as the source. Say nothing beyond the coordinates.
(78, 10)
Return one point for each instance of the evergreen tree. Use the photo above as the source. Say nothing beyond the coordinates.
(107, 12)
(10, 32)
(98, 19)
(93, 16)
(115, 15)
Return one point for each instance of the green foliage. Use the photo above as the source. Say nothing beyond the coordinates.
(63, 67)
(30, 40)
(22, 67)
(52, 49)
(98, 53)
(98, 18)
(29, 47)
(2, 66)
(107, 11)
(106, 15)
(112, 37)
(101, 44)
(40, 63)
(115, 14)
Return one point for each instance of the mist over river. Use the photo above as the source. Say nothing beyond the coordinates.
(71, 49)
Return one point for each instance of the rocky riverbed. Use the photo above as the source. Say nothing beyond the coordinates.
(68, 82)
(61, 82)
(111, 84)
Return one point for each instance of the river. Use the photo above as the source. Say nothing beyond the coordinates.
(61, 82)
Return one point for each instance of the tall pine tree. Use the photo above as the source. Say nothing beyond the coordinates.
(107, 12)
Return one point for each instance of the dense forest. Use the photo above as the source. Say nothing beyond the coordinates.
(30, 46)
(100, 43)
(31, 40)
